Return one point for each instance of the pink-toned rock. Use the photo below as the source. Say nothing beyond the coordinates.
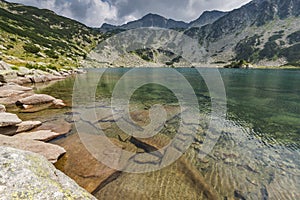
(36, 99)
(9, 93)
(27, 126)
(58, 126)
(44, 135)
(18, 128)
(8, 119)
(15, 87)
(50, 151)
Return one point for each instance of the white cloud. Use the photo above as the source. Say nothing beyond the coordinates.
(95, 12)
(90, 12)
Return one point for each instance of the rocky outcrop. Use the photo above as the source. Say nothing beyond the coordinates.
(14, 133)
(44, 135)
(24, 75)
(49, 151)
(8, 119)
(35, 99)
(26, 175)
(19, 128)
(11, 92)
(39, 102)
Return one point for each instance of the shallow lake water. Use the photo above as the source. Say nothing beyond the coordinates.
(255, 157)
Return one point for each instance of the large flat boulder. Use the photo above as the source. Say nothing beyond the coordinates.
(43, 135)
(36, 99)
(15, 87)
(18, 128)
(8, 119)
(50, 151)
(38, 102)
(11, 92)
(26, 175)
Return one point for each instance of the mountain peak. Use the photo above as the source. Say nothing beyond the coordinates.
(207, 17)
(149, 20)
(152, 15)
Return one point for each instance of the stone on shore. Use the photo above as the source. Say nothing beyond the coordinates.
(43, 135)
(50, 151)
(38, 102)
(18, 128)
(8, 119)
(15, 87)
(2, 108)
(26, 175)
(11, 92)
(36, 99)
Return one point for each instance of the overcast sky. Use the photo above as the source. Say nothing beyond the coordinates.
(95, 12)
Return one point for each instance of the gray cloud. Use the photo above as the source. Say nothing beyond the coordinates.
(96, 12)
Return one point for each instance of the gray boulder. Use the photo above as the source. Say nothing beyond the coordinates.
(8, 119)
(26, 175)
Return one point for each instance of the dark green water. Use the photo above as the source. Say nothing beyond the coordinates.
(257, 155)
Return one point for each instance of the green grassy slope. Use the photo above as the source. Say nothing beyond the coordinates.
(29, 34)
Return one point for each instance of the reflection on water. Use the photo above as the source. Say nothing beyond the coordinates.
(256, 157)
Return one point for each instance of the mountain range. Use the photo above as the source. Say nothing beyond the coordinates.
(154, 20)
(265, 32)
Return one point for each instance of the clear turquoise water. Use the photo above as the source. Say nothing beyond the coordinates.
(257, 156)
(266, 101)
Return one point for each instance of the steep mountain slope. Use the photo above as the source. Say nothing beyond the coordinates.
(262, 31)
(39, 35)
(207, 17)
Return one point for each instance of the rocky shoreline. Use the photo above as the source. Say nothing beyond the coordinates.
(32, 136)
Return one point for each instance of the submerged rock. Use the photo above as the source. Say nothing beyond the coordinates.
(8, 119)
(58, 126)
(50, 151)
(26, 175)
